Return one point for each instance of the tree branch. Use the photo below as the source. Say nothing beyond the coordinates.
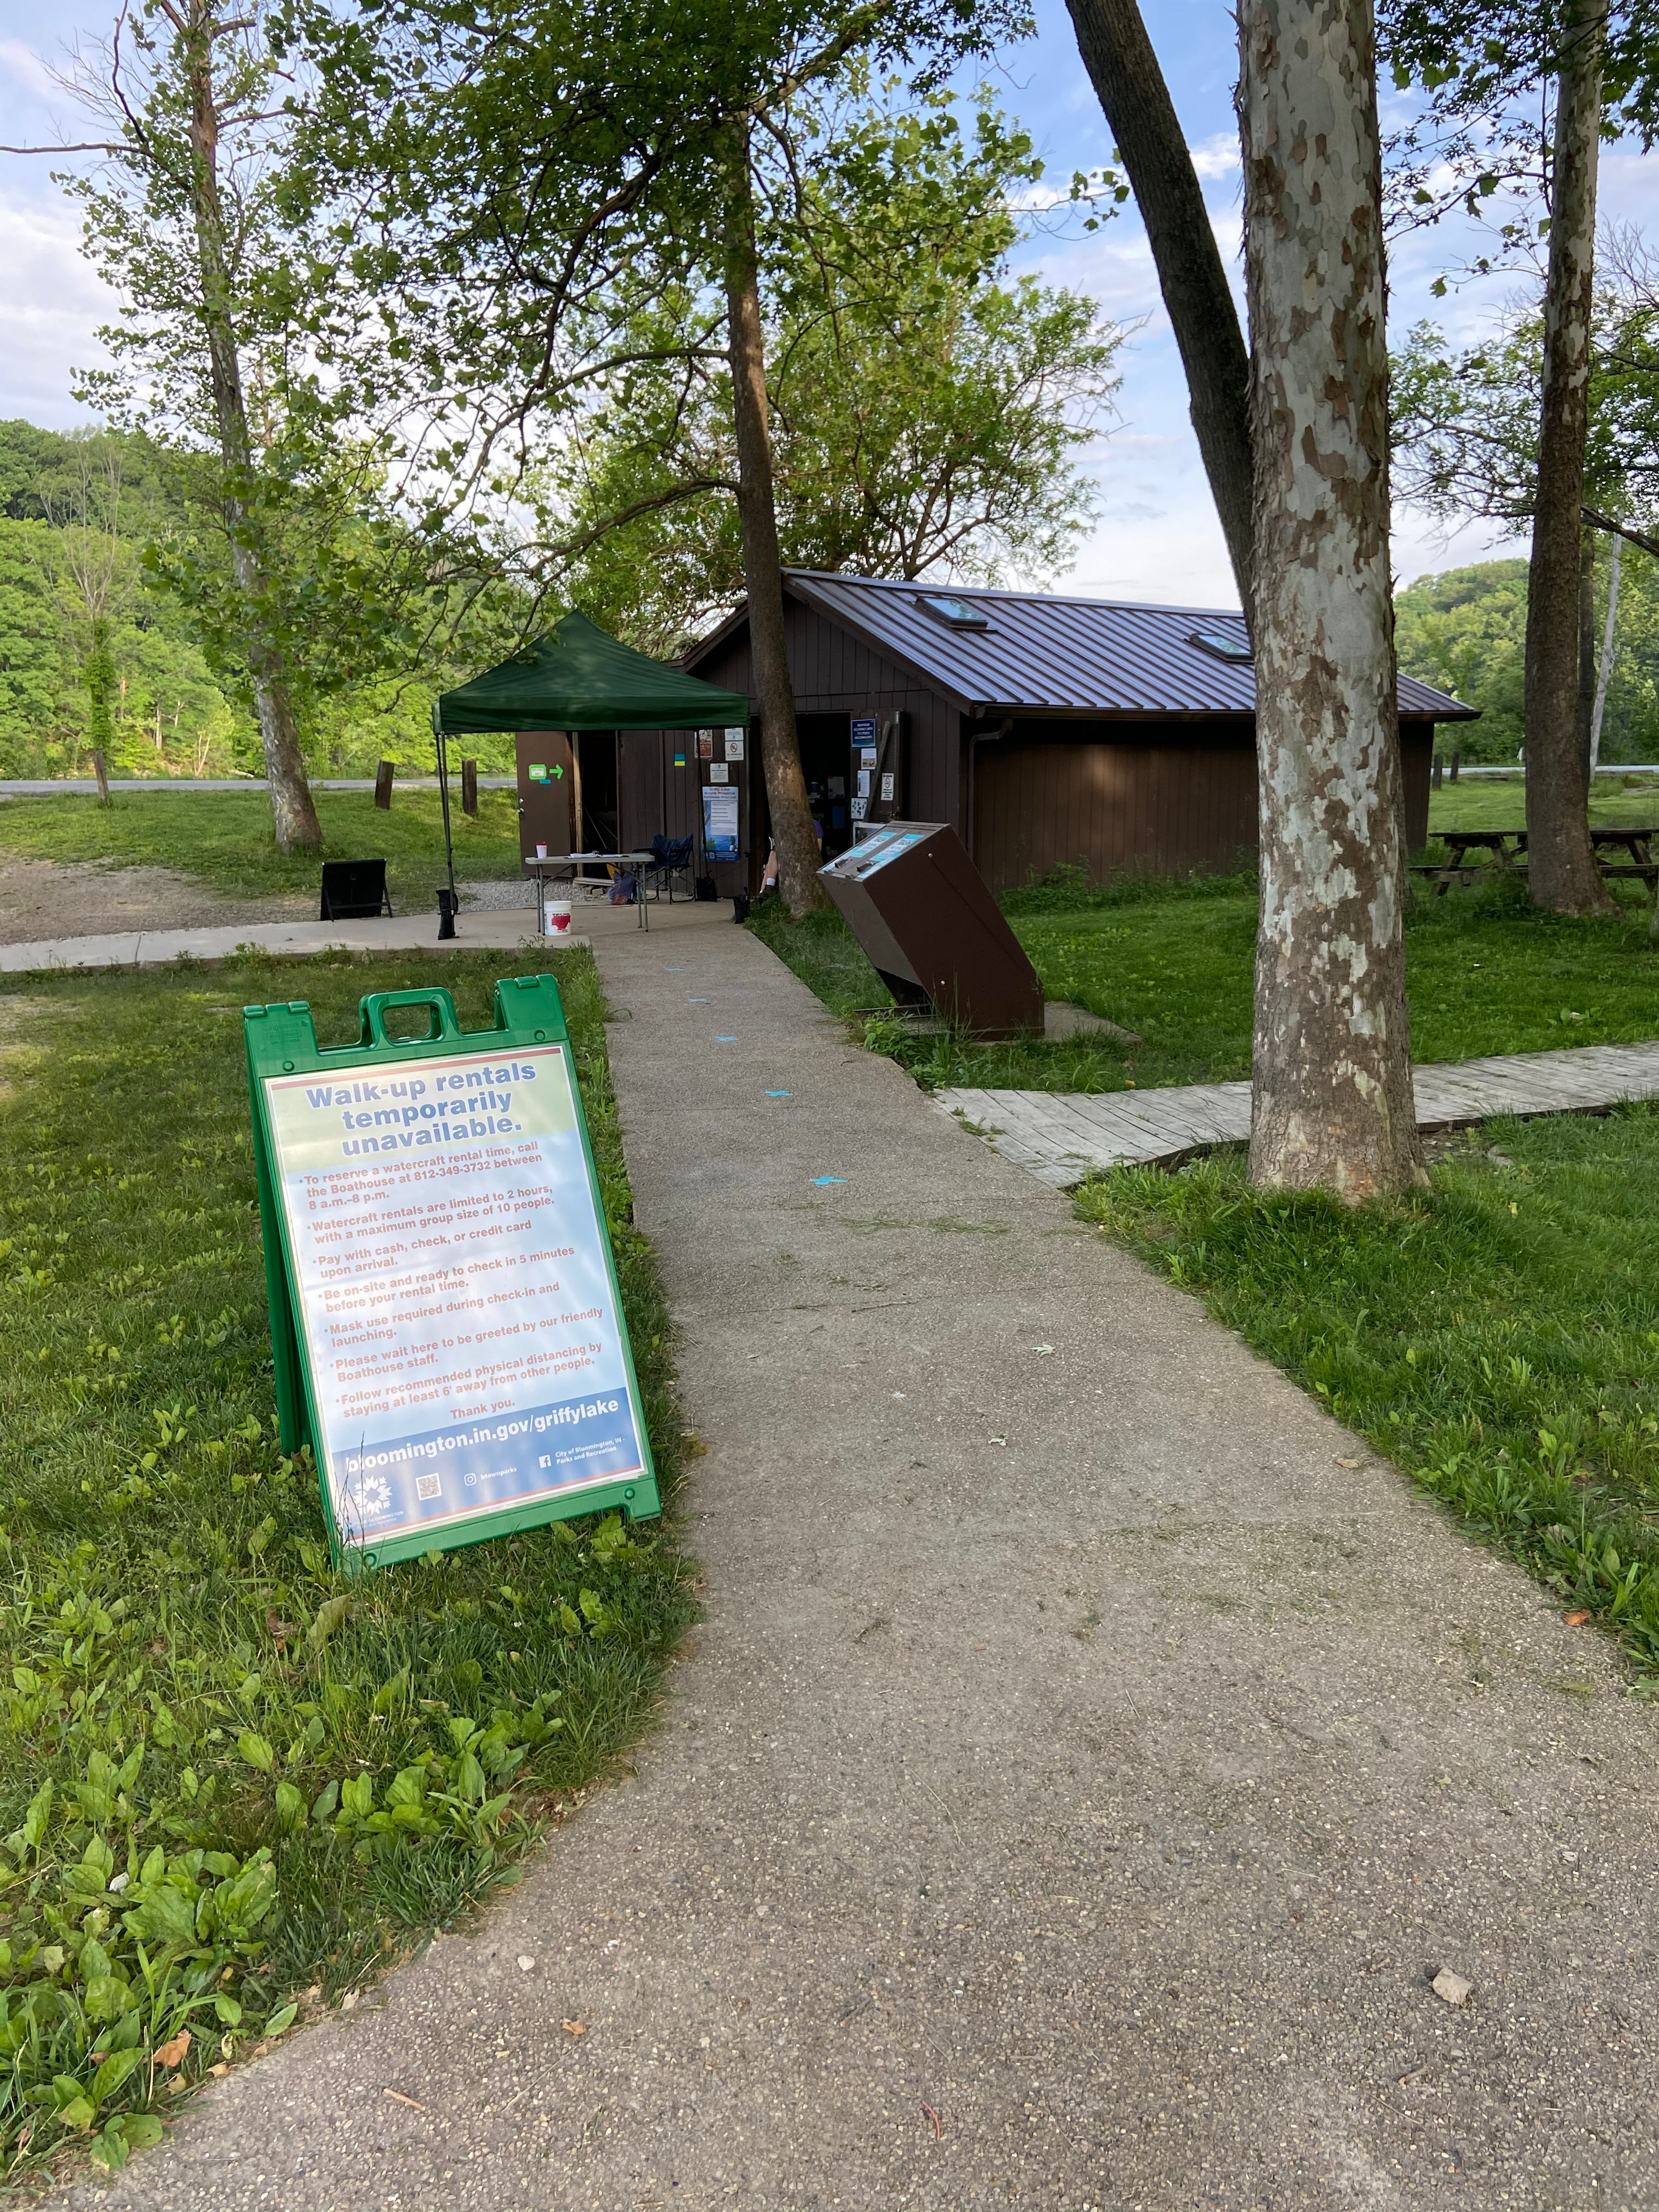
(1638, 538)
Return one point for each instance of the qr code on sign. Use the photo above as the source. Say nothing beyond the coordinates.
(426, 1485)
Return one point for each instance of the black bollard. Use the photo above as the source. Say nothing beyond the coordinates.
(446, 913)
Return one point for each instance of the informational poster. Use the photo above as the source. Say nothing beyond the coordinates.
(719, 772)
(720, 821)
(865, 774)
(864, 734)
(887, 787)
(452, 1292)
(734, 740)
(704, 744)
(860, 808)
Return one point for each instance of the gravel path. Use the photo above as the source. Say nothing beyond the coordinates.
(90, 898)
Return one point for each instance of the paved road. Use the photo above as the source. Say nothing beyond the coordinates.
(1083, 1766)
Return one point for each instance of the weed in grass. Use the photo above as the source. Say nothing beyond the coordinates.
(1497, 1335)
(226, 1774)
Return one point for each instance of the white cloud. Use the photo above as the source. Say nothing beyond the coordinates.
(24, 68)
(1217, 157)
(54, 304)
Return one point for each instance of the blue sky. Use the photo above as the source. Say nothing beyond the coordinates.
(1157, 538)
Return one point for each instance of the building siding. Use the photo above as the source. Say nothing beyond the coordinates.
(1120, 797)
(1143, 804)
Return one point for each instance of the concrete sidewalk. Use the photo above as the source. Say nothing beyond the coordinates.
(477, 928)
(1090, 1754)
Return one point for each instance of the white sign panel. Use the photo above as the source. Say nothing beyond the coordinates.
(454, 1296)
(735, 745)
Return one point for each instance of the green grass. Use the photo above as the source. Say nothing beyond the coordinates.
(1498, 1336)
(1492, 802)
(224, 838)
(290, 1776)
(1174, 963)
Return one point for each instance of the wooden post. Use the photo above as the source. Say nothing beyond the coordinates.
(1456, 758)
(469, 787)
(383, 775)
(102, 774)
(1437, 771)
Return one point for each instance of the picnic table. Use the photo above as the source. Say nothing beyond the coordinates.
(1508, 851)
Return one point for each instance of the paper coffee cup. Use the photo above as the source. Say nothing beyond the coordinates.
(541, 852)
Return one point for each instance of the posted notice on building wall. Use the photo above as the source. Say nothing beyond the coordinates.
(450, 1268)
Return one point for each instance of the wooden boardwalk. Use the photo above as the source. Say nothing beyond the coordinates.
(1063, 1136)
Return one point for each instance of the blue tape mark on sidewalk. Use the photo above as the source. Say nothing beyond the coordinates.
(725, 1040)
(821, 1180)
(777, 1094)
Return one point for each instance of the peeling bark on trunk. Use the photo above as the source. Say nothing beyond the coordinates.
(762, 570)
(1332, 1100)
(292, 814)
(1561, 870)
(1124, 66)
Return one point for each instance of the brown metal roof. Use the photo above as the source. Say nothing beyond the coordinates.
(1042, 654)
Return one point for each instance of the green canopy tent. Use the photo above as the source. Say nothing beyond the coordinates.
(575, 677)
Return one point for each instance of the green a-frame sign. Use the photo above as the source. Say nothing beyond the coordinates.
(445, 1317)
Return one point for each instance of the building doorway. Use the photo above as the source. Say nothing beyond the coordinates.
(824, 758)
(595, 752)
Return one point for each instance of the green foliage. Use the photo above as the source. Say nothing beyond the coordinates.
(1498, 1336)
(1465, 630)
(1464, 424)
(62, 657)
(227, 1775)
(926, 405)
(1174, 963)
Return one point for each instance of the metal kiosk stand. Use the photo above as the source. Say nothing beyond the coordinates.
(923, 914)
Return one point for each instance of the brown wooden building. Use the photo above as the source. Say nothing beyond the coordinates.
(1052, 732)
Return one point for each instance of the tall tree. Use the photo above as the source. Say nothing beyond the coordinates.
(515, 169)
(172, 224)
(1331, 1100)
(1124, 68)
(1561, 870)
(763, 564)
(91, 570)
(1486, 139)
(927, 408)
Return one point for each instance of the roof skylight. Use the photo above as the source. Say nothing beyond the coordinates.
(1221, 644)
(961, 614)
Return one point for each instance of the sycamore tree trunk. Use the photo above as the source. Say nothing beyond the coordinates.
(1561, 870)
(294, 815)
(1332, 1097)
(762, 569)
(1130, 86)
